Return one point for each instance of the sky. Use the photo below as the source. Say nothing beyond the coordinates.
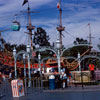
(76, 14)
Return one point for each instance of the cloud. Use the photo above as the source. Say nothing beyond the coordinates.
(76, 16)
(16, 5)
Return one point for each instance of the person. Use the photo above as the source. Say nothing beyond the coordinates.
(69, 79)
(10, 76)
(1, 78)
(57, 81)
(55, 72)
(4, 77)
(64, 79)
(91, 67)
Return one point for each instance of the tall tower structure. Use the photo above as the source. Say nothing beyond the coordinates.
(90, 36)
(29, 26)
(60, 28)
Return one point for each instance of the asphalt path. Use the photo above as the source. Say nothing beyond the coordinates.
(70, 93)
(87, 95)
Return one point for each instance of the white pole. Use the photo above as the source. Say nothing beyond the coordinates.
(39, 58)
(79, 63)
(29, 72)
(14, 54)
(58, 54)
(24, 71)
(15, 68)
(58, 57)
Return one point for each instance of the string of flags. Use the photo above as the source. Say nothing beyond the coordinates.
(25, 1)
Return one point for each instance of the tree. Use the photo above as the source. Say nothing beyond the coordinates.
(80, 41)
(2, 43)
(74, 50)
(41, 38)
(21, 47)
(8, 46)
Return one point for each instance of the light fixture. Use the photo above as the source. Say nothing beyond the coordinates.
(14, 52)
(58, 44)
(28, 48)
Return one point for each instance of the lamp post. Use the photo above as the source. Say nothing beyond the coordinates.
(58, 54)
(29, 72)
(24, 70)
(80, 69)
(39, 58)
(79, 61)
(14, 54)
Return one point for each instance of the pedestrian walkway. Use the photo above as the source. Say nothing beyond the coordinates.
(78, 88)
(39, 93)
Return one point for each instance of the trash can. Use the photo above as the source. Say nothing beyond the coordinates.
(51, 82)
(17, 88)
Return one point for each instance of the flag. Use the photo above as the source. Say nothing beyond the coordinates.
(25, 1)
(58, 5)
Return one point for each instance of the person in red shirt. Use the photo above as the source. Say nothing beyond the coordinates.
(91, 67)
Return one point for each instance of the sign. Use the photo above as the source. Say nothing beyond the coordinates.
(17, 88)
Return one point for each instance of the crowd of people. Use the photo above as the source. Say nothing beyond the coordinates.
(62, 80)
(9, 73)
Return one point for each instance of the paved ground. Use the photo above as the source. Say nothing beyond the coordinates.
(70, 93)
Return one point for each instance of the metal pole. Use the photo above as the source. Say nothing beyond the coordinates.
(79, 61)
(58, 58)
(90, 42)
(82, 78)
(15, 67)
(24, 71)
(14, 54)
(80, 69)
(25, 74)
(39, 58)
(29, 72)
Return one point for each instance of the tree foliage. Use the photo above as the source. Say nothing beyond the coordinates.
(41, 38)
(21, 47)
(74, 50)
(80, 41)
(10, 47)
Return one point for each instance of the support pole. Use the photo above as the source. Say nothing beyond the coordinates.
(15, 68)
(39, 58)
(24, 73)
(60, 28)
(79, 61)
(29, 72)
(58, 57)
